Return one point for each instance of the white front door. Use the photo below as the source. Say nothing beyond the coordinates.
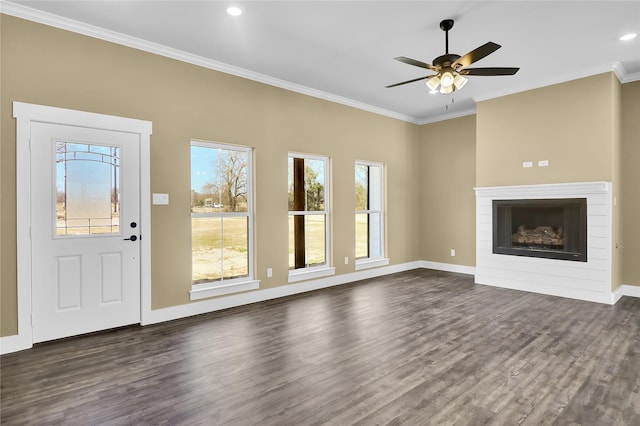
(85, 208)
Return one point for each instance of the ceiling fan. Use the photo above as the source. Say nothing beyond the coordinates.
(450, 68)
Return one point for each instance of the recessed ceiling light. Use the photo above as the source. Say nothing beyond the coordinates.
(629, 36)
(234, 11)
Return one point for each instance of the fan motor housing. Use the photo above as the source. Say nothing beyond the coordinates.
(445, 61)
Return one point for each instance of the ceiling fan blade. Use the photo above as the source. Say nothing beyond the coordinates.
(489, 71)
(476, 54)
(408, 81)
(416, 63)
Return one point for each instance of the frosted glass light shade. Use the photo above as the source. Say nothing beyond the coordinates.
(447, 79)
(446, 89)
(433, 82)
(459, 82)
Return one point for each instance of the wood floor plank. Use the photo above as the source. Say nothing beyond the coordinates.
(420, 347)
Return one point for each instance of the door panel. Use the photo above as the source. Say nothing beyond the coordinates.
(68, 283)
(84, 196)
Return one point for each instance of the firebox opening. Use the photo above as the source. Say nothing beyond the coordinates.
(550, 228)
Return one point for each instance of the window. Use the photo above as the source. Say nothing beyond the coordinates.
(221, 219)
(308, 217)
(369, 216)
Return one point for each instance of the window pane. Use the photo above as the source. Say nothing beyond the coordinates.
(233, 180)
(362, 235)
(375, 188)
(206, 249)
(314, 176)
(314, 228)
(314, 242)
(87, 189)
(235, 250)
(219, 248)
(218, 180)
(290, 183)
(375, 238)
(362, 187)
(292, 244)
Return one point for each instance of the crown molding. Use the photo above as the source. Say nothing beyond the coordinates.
(24, 12)
(623, 75)
(444, 117)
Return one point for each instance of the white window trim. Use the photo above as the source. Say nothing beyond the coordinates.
(310, 273)
(371, 263)
(219, 288)
(316, 271)
(233, 285)
(374, 262)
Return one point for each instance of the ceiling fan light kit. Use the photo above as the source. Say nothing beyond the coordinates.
(450, 68)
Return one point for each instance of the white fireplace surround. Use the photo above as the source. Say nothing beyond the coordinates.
(590, 280)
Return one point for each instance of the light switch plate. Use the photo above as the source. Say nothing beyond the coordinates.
(160, 199)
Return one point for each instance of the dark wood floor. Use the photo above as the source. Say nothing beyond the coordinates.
(415, 348)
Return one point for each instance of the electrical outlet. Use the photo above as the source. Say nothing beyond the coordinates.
(453, 252)
(346, 260)
(269, 272)
(543, 163)
(527, 164)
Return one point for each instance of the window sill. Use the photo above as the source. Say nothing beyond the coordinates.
(371, 263)
(308, 274)
(221, 289)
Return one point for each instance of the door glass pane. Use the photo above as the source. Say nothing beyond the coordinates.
(87, 189)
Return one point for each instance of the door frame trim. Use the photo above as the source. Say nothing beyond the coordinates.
(25, 114)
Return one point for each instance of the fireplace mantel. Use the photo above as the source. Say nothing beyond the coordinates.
(553, 190)
(590, 280)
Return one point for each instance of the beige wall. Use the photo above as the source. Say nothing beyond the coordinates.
(631, 183)
(43, 65)
(447, 202)
(569, 124)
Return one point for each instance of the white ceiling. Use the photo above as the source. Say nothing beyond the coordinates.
(344, 50)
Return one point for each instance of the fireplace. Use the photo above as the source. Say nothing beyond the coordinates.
(585, 276)
(546, 228)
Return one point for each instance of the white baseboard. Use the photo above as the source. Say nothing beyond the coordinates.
(617, 295)
(211, 305)
(449, 267)
(630, 290)
(14, 343)
(570, 293)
